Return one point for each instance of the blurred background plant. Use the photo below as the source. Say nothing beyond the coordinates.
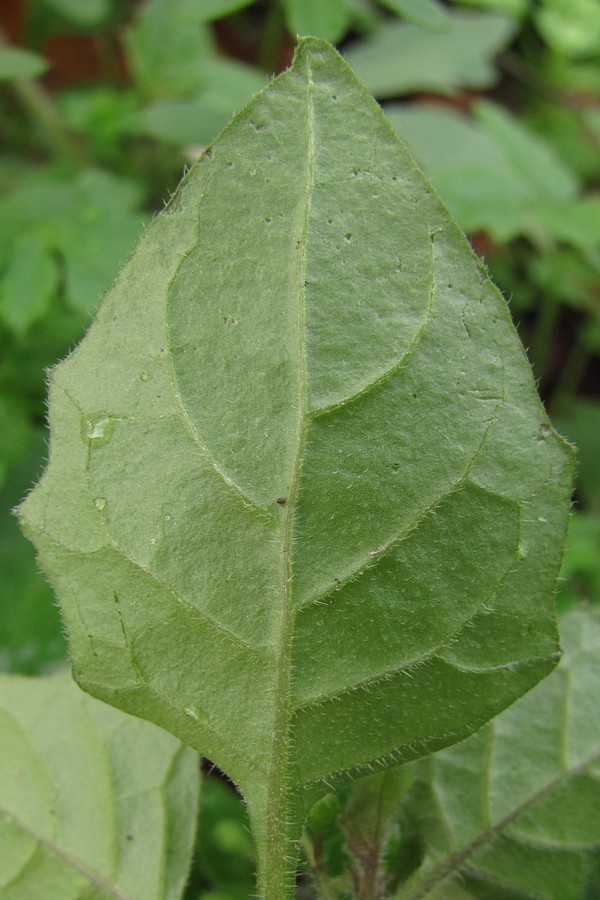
(104, 102)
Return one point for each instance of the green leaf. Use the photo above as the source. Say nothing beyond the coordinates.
(302, 494)
(89, 221)
(196, 121)
(167, 46)
(495, 174)
(92, 802)
(517, 806)
(403, 58)
(328, 19)
(580, 572)
(366, 821)
(571, 27)
(515, 8)
(16, 63)
(28, 284)
(83, 12)
(426, 13)
(216, 9)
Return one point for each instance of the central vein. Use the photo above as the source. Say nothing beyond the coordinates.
(278, 815)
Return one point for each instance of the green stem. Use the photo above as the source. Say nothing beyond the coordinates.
(43, 111)
(276, 837)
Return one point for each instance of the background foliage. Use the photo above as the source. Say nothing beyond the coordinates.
(103, 103)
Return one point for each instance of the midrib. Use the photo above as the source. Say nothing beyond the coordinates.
(277, 794)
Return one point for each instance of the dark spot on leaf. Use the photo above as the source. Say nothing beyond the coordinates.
(282, 501)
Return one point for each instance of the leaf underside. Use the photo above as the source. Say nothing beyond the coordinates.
(303, 506)
(525, 830)
(93, 803)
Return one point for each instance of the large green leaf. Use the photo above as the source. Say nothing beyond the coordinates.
(303, 505)
(515, 809)
(93, 803)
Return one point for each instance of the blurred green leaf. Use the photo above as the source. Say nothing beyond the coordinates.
(366, 821)
(580, 574)
(576, 223)
(167, 47)
(196, 121)
(28, 283)
(514, 8)
(516, 807)
(82, 12)
(495, 174)
(328, 19)
(224, 848)
(426, 13)
(16, 63)
(571, 27)
(403, 58)
(215, 9)
(93, 803)
(530, 157)
(89, 220)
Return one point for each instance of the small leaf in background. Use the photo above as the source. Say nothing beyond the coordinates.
(92, 801)
(402, 58)
(495, 174)
(516, 807)
(576, 223)
(16, 63)
(167, 46)
(28, 284)
(327, 19)
(571, 27)
(366, 821)
(83, 12)
(96, 239)
(88, 221)
(302, 419)
(425, 13)
(196, 120)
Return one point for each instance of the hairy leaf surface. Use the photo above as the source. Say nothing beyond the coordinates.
(93, 803)
(303, 506)
(515, 809)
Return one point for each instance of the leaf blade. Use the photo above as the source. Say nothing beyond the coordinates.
(249, 451)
